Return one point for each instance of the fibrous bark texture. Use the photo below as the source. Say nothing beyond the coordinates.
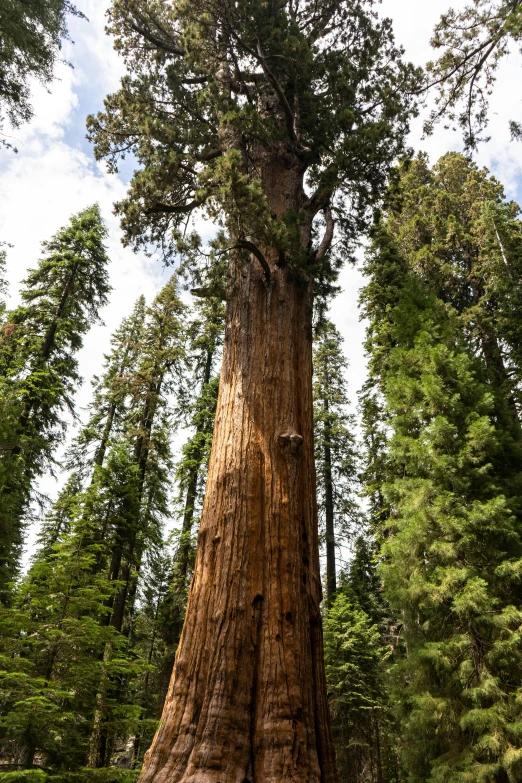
(247, 698)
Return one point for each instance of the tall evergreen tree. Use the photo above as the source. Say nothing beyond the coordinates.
(3, 282)
(77, 605)
(335, 446)
(357, 661)
(234, 107)
(38, 366)
(147, 429)
(451, 474)
(205, 340)
(111, 393)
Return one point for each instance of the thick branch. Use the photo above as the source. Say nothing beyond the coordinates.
(320, 199)
(158, 209)
(289, 115)
(166, 47)
(206, 156)
(328, 235)
(244, 244)
(210, 292)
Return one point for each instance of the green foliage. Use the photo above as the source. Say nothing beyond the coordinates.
(3, 282)
(335, 445)
(213, 92)
(111, 393)
(448, 465)
(453, 543)
(85, 775)
(474, 42)
(356, 663)
(78, 654)
(31, 36)
(39, 341)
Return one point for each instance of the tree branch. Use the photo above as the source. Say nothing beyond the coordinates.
(244, 244)
(157, 209)
(328, 235)
(206, 156)
(289, 115)
(148, 36)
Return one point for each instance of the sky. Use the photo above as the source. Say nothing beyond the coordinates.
(54, 175)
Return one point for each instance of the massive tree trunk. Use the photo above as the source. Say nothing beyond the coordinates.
(247, 698)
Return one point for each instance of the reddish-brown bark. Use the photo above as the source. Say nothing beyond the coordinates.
(247, 699)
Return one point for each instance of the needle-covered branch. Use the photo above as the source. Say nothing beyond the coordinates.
(209, 80)
(474, 41)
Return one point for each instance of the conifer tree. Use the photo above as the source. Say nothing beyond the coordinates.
(38, 366)
(474, 41)
(147, 429)
(111, 392)
(54, 638)
(78, 602)
(3, 282)
(335, 447)
(205, 336)
(357, 660)
(149, 641)
(235, 108)
(451, 478)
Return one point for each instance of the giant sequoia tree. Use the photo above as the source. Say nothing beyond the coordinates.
(278, 119)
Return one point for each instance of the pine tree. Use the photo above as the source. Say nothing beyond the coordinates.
(77, 604)
(457, 233)
(3, 282)
(335, 446)
(111, 394)
(149, 642)
(205, 336)
(53, 642)
(147, 429)
(38, 366)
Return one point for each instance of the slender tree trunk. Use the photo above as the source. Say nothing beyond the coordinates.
(247, 699)
(123, 555)
(331, 575)
(182, 560)
(495, 363)
(172, 629)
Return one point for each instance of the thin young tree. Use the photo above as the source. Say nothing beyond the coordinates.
(335, 447)
(147, 422)
(3, 282)
(39, 343)
(111, 394)
(271, 118)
